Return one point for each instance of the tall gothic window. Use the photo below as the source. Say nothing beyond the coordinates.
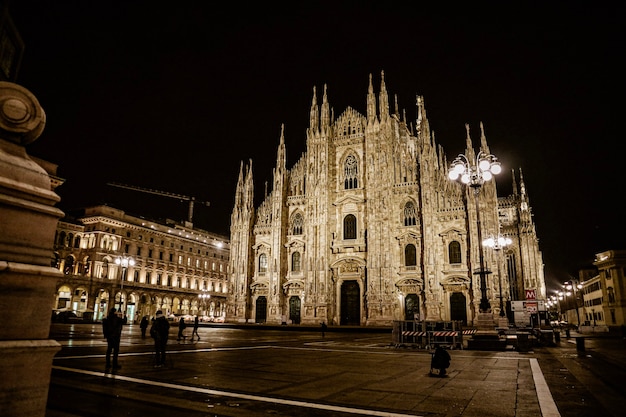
(262, 264)
(349, 227)
(350, 172)
(410, 255)
(454, 252)
(295, 262)
(296, 226)
(410, 214)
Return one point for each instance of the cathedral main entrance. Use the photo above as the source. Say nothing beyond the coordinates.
(261, 310)
(350, 304)
(458, 307)
(294, 309)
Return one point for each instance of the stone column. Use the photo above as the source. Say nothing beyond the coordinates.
(28, 221)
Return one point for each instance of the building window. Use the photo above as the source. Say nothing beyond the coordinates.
(350, 172)
(410, 255)
(454, 252)
(295, 262)
(297, 223)
(410, 214)
(611, 295)
(349, 227)
(262, 264)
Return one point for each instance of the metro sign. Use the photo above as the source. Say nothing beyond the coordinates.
(531, 294)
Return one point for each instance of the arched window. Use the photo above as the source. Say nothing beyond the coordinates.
(297, 223)
(611, 295)
(410, 255)
(295, 262)
(262, 264)
(349, 227)
(69, 265)
(350, 173)
(410, 214)
(62, 237)
(454, 252)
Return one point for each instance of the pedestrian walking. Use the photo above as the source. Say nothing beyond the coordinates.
(323, 324)
(196, 322)
(160, 331)
(112, 330)
(181, 326)
(143, 326)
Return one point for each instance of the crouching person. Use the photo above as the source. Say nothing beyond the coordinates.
(440, 361)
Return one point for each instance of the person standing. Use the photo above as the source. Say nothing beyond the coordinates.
(196, 322)
(160, 331)
(112, 329)
(181, 327)
(143, 326)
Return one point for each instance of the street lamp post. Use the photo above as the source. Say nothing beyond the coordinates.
(498, 244)
(571, 286)
(474, 173)
(124, 262)
(203, 299)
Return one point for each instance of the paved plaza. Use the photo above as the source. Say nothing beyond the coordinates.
(253, 371)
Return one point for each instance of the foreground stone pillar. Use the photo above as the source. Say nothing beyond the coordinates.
(28, 221)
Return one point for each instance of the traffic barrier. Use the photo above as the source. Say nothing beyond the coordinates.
(427, 335)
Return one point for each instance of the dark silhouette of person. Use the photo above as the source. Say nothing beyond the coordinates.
(440, 360)
(160, 331)
(181, 326)
(143, 326)
(196, 322)
(112, 329)
(324, 327)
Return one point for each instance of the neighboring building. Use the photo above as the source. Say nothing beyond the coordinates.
(174, 268)
(604, 293)
(366, 228)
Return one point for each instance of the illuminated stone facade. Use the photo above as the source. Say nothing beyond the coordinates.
(366, 228)
(176, 268)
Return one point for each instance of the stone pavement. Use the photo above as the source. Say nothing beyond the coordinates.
(256, 373)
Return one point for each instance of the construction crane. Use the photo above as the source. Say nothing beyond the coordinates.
(191, 200)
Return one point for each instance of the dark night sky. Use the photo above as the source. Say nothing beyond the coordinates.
(173, 96)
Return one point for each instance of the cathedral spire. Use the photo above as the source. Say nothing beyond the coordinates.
(468, 144)
(522, 185)
(483, 140)
(249, 188)
(371, 103)
(325, 122)
(383, 100)
(314, 120)
(395, 102)
(239, 189)
(514, 182)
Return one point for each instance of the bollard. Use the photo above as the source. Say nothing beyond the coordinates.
(580, 344)
(567, 333)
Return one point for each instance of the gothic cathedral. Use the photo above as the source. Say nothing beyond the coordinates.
(367, 229)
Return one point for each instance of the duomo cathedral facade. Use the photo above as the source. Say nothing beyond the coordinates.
(366, 228)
